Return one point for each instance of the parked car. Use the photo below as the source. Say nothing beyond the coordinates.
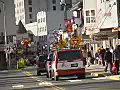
(41, 64)
(67, 63)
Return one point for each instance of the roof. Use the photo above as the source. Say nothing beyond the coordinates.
(21, 28)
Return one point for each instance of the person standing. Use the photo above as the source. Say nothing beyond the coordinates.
(108, 59)
(102, 53)
(84, 53)
(116, 57)
(89, 56)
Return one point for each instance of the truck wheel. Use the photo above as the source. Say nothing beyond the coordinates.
(81, 76)
(38, 73)
(47, 75)
(56, 78)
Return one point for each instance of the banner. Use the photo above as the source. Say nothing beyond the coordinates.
(68, 25)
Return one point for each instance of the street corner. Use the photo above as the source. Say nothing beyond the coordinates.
(113, 77)
(102, 74)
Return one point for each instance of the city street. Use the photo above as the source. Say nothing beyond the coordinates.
(27, 80)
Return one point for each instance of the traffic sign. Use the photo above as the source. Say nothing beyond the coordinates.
(75, 41)
(62, 44)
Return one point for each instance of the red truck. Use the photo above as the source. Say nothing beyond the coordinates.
(67, 63)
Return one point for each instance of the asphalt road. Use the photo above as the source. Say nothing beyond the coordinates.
(27, 80)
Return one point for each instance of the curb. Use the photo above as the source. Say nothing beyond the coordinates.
(114, 77)
(16, 70)
(102, 74)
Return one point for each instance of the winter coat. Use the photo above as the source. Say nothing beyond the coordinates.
(116, 55)
(108, 56)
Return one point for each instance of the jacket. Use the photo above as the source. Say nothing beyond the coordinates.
(116, 55)
(108, 56)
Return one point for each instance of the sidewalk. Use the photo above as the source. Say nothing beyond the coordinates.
(97, 70)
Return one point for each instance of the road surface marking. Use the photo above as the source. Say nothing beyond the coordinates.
(59, 89)
(74, 80)
(18, 86)
(99, 78)
(38, 80)
(43, 83)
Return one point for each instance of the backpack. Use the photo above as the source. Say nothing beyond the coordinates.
(114, 69)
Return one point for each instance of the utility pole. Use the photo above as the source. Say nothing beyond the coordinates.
(5, 31)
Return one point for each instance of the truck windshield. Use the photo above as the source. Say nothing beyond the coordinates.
(69, 55)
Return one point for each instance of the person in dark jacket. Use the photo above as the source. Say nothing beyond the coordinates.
(102, 53)
(108, 59)
(116, 57)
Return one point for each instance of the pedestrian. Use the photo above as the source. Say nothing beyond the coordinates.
(84, 53)
(108, 59)
(89, 56)
(116, 57)
(37, 59)
(97, 57)
(102, 53)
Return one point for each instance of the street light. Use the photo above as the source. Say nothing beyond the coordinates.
(5, 32)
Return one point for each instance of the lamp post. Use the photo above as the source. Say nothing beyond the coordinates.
(5, 32)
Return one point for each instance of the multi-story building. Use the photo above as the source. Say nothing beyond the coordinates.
(50, 18)
(101, 18)
(46, 16)
(26, 10)
(7, 24)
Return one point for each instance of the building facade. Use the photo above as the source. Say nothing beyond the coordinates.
(26, 10)
(101, 17)
(50, 19)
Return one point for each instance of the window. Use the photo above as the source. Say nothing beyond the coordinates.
(54, 7)
(42, 29)
(87, 19)
(44, 19)
(62, 7)
(54, 1)
(30, 9)
(30, 16)
(29, 2)
(73, 55)
(41, 20)
(90, 16)
(87, 13)
(38, 20)
(92, 12)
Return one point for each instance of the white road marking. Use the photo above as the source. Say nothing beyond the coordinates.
(45, 84)
(99, 78)
(38, 80)
(33, 77)
(74, 80)
(18, 86)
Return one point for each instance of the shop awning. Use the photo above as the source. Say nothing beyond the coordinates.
(104, 35)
